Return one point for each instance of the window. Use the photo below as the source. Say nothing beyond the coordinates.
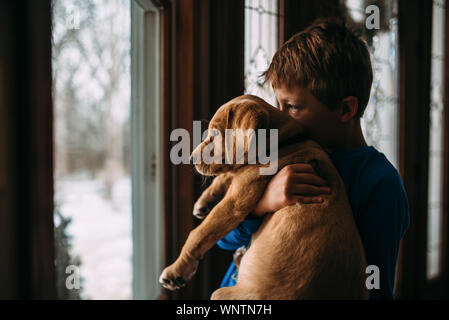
(91, 76)
(261, 43)
(108, 181)
(146, 149)
(435, 196)
(380, 120)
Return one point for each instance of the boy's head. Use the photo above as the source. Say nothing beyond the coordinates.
(322, 76)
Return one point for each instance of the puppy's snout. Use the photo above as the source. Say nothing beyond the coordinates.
(195, 157)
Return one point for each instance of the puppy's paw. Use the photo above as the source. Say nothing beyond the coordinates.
(200, 210)
(171, 282)
(204, 205)
(172, 279)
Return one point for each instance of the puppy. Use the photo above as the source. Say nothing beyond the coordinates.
(303, 251)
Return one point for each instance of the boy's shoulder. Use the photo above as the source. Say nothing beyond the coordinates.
(366, 164)
(382, 196)
(377, 168)
(382, 177)
(366, 171)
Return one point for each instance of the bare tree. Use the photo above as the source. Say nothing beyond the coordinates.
(90, 65)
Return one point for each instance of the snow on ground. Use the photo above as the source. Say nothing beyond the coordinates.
(101, 231)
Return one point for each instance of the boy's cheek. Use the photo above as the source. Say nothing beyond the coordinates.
(320, 129)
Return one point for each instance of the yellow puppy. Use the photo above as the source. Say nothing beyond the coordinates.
(303, 251)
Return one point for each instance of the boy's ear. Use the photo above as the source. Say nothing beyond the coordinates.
(349, 108)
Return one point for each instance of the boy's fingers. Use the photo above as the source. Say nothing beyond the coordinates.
(301, 168)
(308, 200)
(305, 189)
(309, 178)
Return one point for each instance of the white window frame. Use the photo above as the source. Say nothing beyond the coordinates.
(146, 149)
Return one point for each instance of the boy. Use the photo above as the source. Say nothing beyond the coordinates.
(322, 76)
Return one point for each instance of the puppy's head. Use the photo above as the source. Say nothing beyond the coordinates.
(231, 133)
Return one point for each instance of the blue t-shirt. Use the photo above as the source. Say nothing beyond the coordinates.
(380, 207)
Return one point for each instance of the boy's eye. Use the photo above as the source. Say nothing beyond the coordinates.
(294, 108)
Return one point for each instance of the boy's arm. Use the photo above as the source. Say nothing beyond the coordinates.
(294, 183)
(382, 222)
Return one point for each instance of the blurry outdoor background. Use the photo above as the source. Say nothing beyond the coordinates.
(91, 80)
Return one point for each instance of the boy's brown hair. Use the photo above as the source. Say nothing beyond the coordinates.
(327, 58)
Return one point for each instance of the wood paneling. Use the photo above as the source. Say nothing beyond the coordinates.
(203, 41)
(27, 217)
(298, 14)
(3, 151)
(415, 18)
(220, 74)
(9, 280)
(181, 116)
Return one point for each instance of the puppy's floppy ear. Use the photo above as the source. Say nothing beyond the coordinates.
(229, 118)
(244, 120)
(253, 117)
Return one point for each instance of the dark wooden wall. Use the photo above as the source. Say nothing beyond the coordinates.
(414, 100)
(26, 185)
(298, 14)
(204, 40)
(8, 226)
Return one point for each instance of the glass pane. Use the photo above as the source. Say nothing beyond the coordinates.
(261, 43)
(434, 230)
(91, 65)
(379, 122)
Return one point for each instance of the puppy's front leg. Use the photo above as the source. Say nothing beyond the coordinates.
(226, 216)
(212, 195)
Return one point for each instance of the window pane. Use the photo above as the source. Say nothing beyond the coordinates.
(91, 65)
(379, 122)
(434, 230)
(261, 43)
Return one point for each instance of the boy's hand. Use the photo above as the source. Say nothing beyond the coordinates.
(294, 183)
